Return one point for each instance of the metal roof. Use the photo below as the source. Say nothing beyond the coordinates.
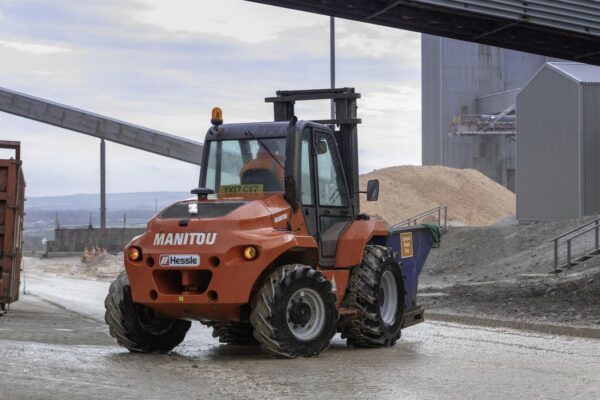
(564, 29)
(581, 73)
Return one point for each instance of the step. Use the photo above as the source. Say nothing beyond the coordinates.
(577, 261)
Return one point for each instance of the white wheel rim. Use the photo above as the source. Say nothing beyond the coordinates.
(305, 314)
(388, 306)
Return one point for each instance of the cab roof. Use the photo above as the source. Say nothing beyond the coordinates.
(247, 130)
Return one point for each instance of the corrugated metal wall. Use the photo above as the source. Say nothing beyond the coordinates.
(454, 75)
(574, 15)
(548, 160)
(431, 97)
(591, 148)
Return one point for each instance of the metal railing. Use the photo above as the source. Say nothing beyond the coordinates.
(568, 238)
(442, 217)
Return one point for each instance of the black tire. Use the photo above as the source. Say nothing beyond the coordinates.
(136, 327)
(279, 312)
(367, 327)
(234, 333)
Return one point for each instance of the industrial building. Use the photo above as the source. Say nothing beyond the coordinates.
(468, 103)
(558, 144)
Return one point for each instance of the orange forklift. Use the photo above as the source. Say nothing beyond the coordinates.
(273, 249)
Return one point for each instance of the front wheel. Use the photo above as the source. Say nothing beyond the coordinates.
(139, 328)
(376, 293)
(294, 313)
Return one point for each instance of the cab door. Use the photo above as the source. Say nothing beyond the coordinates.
(327, 206)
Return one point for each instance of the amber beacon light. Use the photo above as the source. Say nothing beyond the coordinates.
(217, 116)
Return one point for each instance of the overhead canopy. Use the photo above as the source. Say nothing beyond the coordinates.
(567, 29)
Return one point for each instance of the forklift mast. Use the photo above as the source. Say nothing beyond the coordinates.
(345, 118)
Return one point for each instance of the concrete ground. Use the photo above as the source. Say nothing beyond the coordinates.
(54, 345)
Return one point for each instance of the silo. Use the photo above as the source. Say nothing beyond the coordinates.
(462, 80)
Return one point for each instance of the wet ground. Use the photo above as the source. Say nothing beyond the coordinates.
(54, 345)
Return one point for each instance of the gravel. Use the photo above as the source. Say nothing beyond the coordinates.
(506, 271)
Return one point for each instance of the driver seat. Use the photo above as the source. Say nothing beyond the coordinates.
(263, 177)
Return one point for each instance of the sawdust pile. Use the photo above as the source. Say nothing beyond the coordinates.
(405, 191)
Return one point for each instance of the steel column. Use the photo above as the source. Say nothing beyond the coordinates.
(102, 189)
(332, 61)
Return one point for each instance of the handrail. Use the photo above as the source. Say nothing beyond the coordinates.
(593, 225)
(413, 220)
(576, 229)
(583, 232)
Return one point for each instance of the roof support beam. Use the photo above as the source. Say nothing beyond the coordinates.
(88, 123)
(566, 29)
(383, 10)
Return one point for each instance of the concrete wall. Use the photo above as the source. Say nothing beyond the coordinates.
(76, 239)
(548, 159)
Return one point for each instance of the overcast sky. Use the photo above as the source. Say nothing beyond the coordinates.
(164, 64)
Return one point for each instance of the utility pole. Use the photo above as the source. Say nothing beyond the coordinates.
(124, 227)
(102, 190)
(332, 60)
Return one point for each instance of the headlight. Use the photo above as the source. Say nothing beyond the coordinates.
(134, 253)
(250, 253)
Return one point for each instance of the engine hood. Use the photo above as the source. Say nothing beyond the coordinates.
(207, 216)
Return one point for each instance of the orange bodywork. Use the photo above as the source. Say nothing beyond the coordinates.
(351, 244)
(223, 281)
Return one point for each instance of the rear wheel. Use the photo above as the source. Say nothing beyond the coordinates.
(376, 293)
(294, 314)
(139, 328)
(236, 333)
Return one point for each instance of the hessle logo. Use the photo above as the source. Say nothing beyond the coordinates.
(188, 238)
(179, 260)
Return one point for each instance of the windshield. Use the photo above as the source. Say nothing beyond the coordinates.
(246, 166)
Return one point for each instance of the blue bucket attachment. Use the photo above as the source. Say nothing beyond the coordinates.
(411, 245)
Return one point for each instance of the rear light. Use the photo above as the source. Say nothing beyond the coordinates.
(134, 253)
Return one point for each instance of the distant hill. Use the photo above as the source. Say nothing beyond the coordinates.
(114, 201)
(76, 211)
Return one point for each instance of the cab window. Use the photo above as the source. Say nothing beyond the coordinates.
(332, 191)
(246, 165)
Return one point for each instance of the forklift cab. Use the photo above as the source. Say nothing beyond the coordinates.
(300, 159)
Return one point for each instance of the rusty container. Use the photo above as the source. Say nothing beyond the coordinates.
(12, 198)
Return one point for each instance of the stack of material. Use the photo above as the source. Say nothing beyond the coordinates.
(471, 197)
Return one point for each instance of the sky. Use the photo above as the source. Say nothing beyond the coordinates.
(164, 64)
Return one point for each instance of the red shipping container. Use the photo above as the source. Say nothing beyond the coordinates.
(12, 198)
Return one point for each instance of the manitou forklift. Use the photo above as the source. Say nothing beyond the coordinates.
(273, 249)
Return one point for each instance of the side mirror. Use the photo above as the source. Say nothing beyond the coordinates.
(373, 190)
